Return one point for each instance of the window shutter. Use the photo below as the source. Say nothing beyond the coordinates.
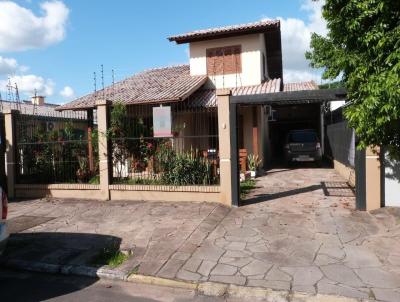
(237, 58)
(224, 60)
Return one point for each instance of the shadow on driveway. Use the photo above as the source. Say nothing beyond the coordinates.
(335, 189)
(268, 197)
(57, 248)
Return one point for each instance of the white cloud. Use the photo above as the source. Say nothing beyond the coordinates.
(8, 66)
(296, 37)
(67, 92)
(29, 84)
(295, 75)
(21, 29)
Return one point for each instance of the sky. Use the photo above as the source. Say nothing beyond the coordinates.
(53, 47)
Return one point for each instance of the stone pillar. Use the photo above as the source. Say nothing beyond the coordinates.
(227, 149)
(104, 163)
(9, 123)
(372, 178)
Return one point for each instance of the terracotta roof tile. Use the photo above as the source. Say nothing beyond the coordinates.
(248, 28)
(157, 85)
(310, 85)
(208, 98)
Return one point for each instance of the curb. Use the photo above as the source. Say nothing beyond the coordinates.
(204, 288)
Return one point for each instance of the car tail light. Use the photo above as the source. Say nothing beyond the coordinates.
(318, 146)
(4, 205)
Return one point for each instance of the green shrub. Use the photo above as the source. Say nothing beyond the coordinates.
(183, 168)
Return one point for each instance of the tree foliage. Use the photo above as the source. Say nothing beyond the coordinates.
(363, 47)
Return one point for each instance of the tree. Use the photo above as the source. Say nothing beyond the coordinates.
(363, 47)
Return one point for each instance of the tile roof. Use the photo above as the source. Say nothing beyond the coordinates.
(248, 28)
(27, 107)
(168, 84)
(310, 85)
(208, 98)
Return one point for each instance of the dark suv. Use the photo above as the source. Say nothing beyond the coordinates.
(302, 145)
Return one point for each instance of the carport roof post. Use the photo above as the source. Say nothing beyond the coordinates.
(292, 97)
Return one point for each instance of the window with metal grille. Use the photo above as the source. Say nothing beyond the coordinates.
(224, 60)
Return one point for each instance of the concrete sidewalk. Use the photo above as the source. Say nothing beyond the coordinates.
(298, 233)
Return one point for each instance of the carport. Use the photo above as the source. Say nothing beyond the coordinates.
(287, 116)
(287, 110)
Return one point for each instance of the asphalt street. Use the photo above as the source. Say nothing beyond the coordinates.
(18, 286)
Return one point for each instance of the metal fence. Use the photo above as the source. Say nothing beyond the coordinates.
(56, 149)
(184, 153)
(341, 143)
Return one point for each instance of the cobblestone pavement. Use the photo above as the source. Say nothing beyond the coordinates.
(298, 231)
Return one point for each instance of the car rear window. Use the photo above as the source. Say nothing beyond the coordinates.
(303, 137)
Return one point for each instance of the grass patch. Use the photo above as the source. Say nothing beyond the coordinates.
(112, 257)
(246, 186)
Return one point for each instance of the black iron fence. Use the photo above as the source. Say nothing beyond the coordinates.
(172, 144)
(340, 143)
(56, 149)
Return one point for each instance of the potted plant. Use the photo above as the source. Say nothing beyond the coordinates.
(254, 163)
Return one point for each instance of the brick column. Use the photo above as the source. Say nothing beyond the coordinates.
(104, 164)
(227, 149)
(9, 123)
(372, 179)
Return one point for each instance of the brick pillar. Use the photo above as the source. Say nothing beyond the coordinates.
(9, 123)
(372, 178)
(104, 164)
(227, 149)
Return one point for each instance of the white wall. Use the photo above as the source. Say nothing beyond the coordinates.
(252, 47)
(337, 104)
(392, 183)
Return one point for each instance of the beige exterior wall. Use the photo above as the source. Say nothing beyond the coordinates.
(373, 179)
(80, 191)
(247, 114)
(121, 192)
(347, 173)
(251, 57)
(263, 54)
(164, 196)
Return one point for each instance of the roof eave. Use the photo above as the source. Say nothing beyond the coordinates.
(182, 39)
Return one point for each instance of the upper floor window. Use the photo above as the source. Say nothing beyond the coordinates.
(224, 60)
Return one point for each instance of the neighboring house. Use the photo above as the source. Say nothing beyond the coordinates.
(245, 58)
(45, 114)
(37, 106)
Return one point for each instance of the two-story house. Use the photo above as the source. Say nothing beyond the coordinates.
(246, 58)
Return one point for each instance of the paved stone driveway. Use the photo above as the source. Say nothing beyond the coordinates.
(76, 230)
(298, 231)
(297, 238)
